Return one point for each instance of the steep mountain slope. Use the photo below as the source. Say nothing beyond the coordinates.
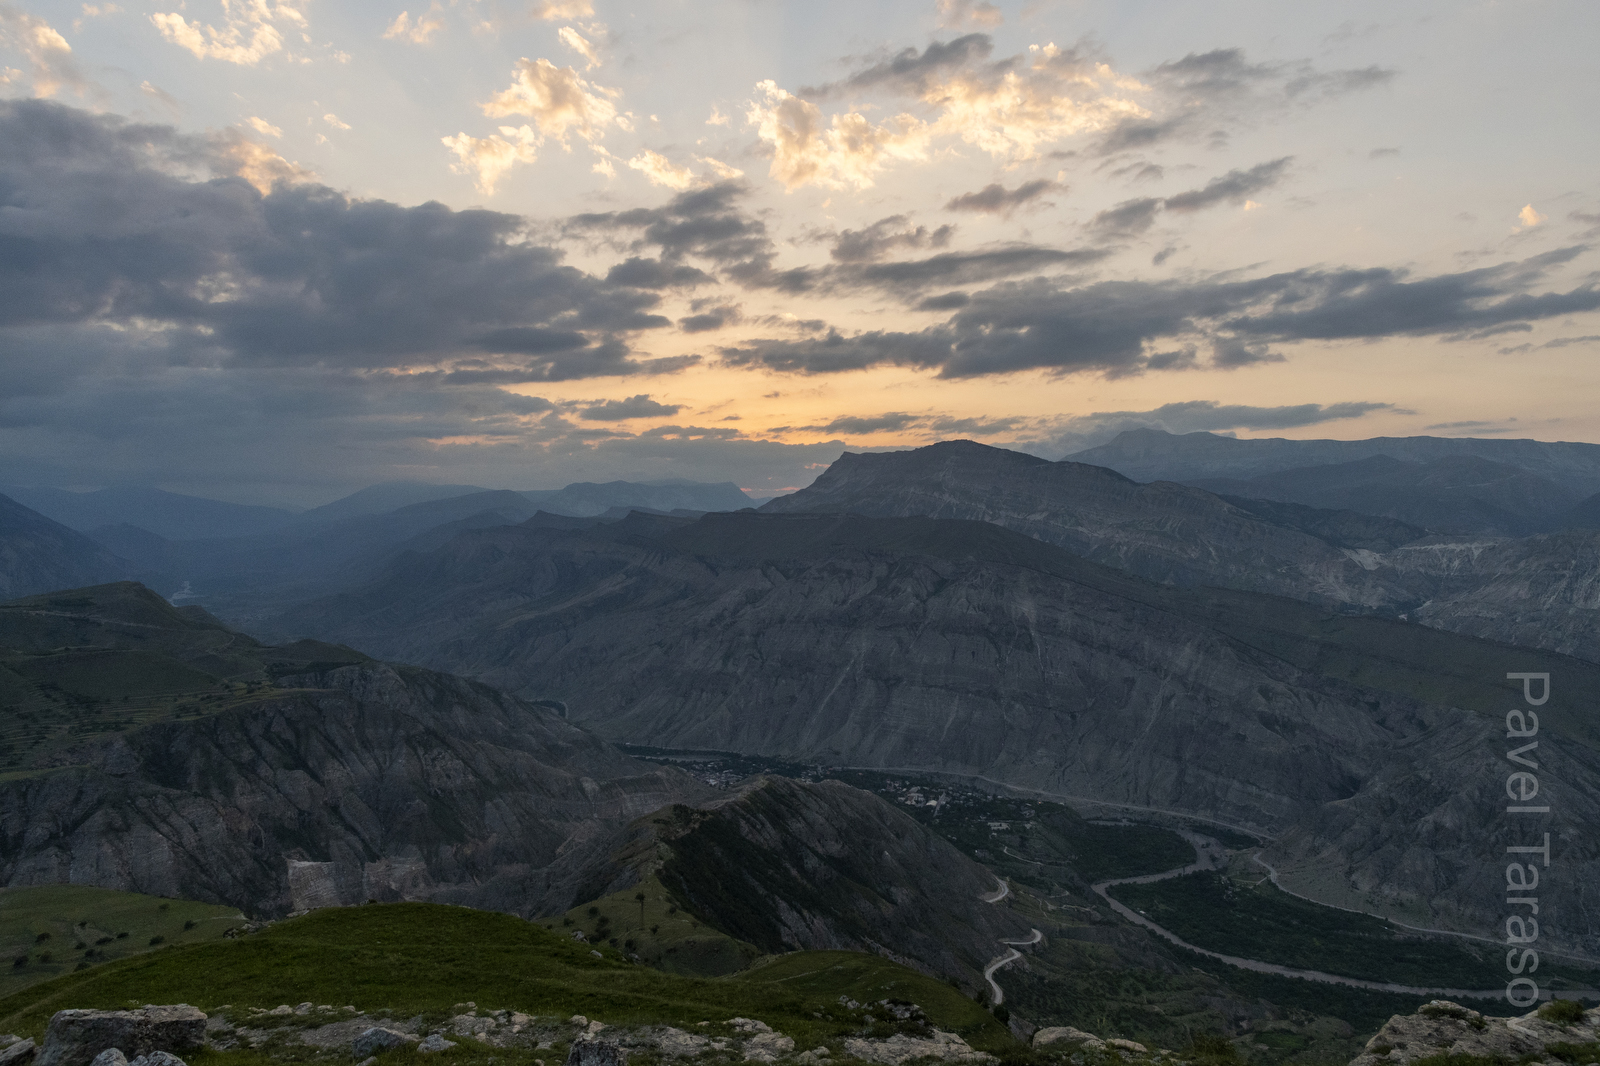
(956, 647)
(1164, 532)
(786, 865)
(274, 779)
(585, 498)
(38, 554)
(1462, 495)
(167, 514)
(1152, 455)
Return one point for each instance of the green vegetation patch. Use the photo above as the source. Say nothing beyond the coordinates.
(1576, 1054)
(649, 925)
(419, 958)
(54, 929)
(1260, 921)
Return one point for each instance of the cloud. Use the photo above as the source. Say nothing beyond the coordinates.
(486, 159)
(1233, 187)
(1202, 94)
(641, 406)
(333, 120)
(552, 10)
(248, 35)
(51, 66)
(419, 30)
(721, 169)
(262, 126)
(575, 41)
(662, 171)
(1203, 416)
(890, 422)
(204, 269)
(708, 317)
(1529, 217)
(996, 199)
(643, 273)
(705, 223)
(884, 236)
(846, 151)
(966, 268)
(954, 14)
(1118, 328)
(1132, 217)
(557, 99)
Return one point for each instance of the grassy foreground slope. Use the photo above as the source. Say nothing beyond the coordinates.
(50, 930)
(420, 958)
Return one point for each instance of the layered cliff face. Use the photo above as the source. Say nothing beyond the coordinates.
(1163, 531)
(367, 781)
(959, 647)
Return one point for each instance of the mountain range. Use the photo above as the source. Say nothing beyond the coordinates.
(958, 647)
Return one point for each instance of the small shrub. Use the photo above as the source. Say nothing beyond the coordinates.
(593, 911)
(1576, 1054)
(41, 938)
(1001, 1014)
(157, 940)
(164, 906)
(104, 940)
(20, 960)
(655, 929)
(44, 956)
(188, 925)
(79, 946)
(122, 936)
(1213, 1048)
(1562, 1011)
(566, 921)
(81, 965)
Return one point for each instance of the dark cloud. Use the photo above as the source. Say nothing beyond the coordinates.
(119, 233)
(1203, 94)
(958, 268)
(910, 71)
(945, 302)
(1132, 217)
(654, 274)
(1127, 218)
(1199, 416)
(1233, 187)
(710, 317)
(1113, 327)
(641, 406)
(705, 223)
(853, 424)
(996, 199)
(886, 235)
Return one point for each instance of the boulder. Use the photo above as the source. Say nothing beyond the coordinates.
(596, 1053)
(377, 1039)
(75, 1037)
(18, 1052)
(436, 1042)
(158, 1058)
(947, 1047)
(1066, 1034)
(110, 1057)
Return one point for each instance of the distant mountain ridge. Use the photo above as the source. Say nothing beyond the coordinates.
(171, 515)
(38, 554)
(1155, 455)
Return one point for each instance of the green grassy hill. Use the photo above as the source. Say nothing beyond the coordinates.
(417, 958)
(55, 929)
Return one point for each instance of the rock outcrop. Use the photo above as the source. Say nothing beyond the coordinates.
(1446, 1028)
(76, 1037)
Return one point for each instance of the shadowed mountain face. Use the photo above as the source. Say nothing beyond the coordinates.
(788, 866)
(1463, 495)
(945, 646)
(38, 554)
(167, 514)
(274, 779)
(1152, 455)
(1164, 532)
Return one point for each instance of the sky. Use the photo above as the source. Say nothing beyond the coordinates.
(276, 251)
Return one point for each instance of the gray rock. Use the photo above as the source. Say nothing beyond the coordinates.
(436, 1042)
(899, 1048)
(18, 1052)
(158, 1058)
(378, 1039)
(596, 1053)
(75, 1037)
(110, 1057)
(1443, 1027)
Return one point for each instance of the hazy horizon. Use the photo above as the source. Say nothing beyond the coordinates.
(275, 253)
